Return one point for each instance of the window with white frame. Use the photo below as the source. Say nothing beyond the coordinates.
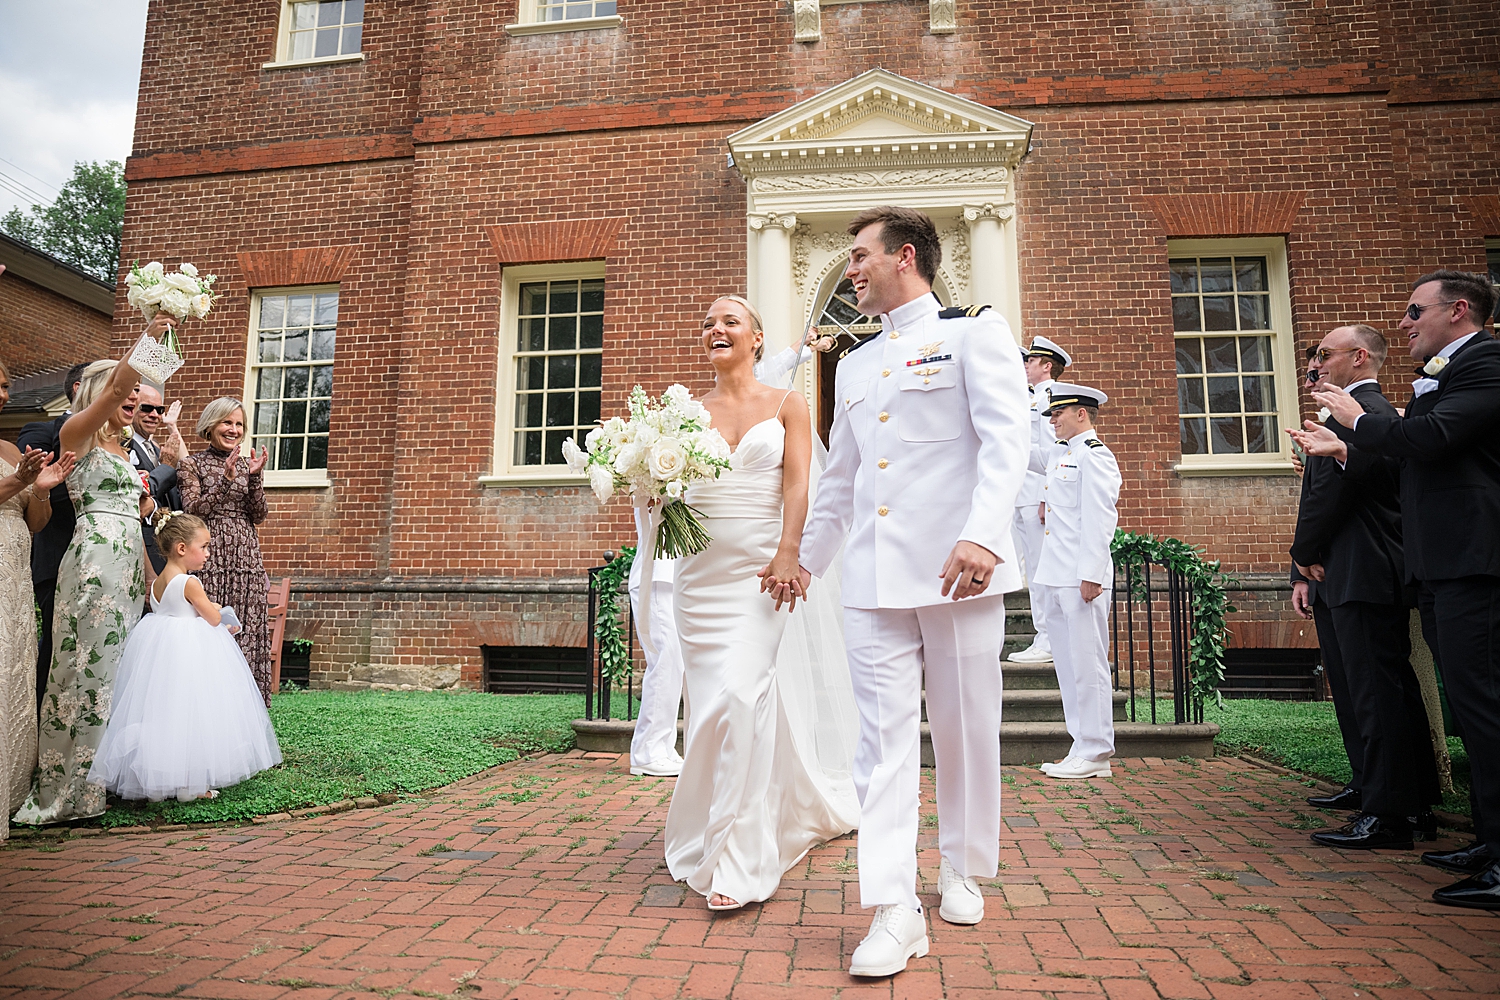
(320, 30)
(552, 357)
(1231, 319)
(289, 388)
(573, 10)
(537, 16)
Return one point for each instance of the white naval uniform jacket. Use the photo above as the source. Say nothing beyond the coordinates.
(928, 447)
(1082, 489)
(1041, 439)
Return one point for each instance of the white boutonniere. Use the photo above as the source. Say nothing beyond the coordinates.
(1435, 365)
(1324, 414)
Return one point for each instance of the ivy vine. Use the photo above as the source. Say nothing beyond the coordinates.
(609, 631)
(1210, 604)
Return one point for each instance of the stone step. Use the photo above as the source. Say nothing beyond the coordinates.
(1020, 742)
(1045, 705)
(1028, 676)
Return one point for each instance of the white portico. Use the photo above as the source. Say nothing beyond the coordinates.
(878, 139)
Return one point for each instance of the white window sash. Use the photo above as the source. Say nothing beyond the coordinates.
(278, 478)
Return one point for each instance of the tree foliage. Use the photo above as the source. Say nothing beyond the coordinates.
(82, 227)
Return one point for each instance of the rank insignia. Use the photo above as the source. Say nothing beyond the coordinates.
(1094, 443)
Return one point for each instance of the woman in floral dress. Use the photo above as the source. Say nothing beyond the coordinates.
(226, 490)
(100, 589)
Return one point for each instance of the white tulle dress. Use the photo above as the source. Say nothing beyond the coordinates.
(770, 717)
(187, 715)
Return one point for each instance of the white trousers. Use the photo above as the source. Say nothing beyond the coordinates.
(1028, 531)
(655, 736)
(958, 645)
(1080, 652)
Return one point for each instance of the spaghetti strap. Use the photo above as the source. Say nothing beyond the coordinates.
(777, 414)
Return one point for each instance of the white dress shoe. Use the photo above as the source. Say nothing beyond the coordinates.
(1031, 654)
(1047, 767)
(897, 934)
(662, 767)
(1077, 767)
(963, 903)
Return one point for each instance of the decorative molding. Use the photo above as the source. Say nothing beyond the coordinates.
(942, 17)
(308, 266)
(956, 237)
(1486, 212)
(884, 178)
(807, 19)
(804, 242)
(760, 220)
(550, 242)
(1001, 213)
(1245, 213)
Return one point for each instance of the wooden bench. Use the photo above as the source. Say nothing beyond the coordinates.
(279, 597)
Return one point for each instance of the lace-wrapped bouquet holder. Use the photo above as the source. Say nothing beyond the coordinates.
(179, 294)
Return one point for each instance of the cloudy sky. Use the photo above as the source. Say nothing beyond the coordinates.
(68, 76)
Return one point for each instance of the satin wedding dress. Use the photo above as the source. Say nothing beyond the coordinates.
(770, 718)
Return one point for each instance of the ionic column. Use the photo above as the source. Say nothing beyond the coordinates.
(991, 273)
(774, 277)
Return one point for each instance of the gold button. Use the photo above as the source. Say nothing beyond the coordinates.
(847, 402)
(886, 373)
(927, 381)
(883, 511)
(882, 463)
(894, 334)
(884, 416)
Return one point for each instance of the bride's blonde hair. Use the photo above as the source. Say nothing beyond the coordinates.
(756, 325)
(90, 384)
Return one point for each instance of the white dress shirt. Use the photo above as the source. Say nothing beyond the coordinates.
(1082, 489)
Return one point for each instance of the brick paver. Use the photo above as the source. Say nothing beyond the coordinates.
(544, 879)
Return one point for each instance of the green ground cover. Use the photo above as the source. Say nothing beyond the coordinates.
(352, 744)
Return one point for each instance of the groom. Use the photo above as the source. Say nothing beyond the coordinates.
(928, 449)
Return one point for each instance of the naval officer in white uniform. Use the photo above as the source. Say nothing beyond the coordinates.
(927, 451)
(1076, 574)
(1045, 363)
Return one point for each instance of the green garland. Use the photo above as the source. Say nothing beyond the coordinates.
(1210, 604)
(609, 633)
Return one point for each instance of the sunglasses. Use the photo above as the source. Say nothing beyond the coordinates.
(1322, 354)
(1414, 312)
(150, 408)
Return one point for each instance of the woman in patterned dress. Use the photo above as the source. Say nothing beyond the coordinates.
(101, 586)
(25, 508)
(226, 490)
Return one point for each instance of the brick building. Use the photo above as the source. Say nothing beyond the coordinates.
(448, 234)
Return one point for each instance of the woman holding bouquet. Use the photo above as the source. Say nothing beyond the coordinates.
(101, 586)
(757, 789)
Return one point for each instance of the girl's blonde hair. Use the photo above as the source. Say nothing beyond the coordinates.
(90, 384)
(756, 324)
(173, 526)
(4, 371)
(215, 412)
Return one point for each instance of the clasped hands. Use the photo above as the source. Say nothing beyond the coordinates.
(1314, 438)
(966, 572)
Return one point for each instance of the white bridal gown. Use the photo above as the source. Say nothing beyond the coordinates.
(770, 717)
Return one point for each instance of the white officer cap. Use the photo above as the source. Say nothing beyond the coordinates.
(1041, 347)
(1062, 394)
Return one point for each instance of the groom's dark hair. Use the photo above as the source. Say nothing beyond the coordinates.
(900, 226)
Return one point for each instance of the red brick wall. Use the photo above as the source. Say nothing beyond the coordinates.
(42, 330)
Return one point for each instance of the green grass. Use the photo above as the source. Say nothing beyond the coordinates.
(352, 744)
(1301, 735)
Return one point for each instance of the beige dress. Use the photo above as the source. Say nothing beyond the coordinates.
(17, 654)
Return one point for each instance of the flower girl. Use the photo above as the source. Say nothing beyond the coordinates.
(187, 718)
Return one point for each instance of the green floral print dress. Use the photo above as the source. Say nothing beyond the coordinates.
(100, 588)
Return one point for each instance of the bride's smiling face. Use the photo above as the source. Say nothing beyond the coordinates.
(729, 334)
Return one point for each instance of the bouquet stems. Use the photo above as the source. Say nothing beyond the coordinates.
(170, 342)
(680, 534)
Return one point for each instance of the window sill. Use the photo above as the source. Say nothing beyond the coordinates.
(577, 24)
(540, 478)
(296, 478)
(325, 60)
(1267, 467)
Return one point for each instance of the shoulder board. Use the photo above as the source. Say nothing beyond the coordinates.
(1094, 443)
(857, 345)
(958, 312)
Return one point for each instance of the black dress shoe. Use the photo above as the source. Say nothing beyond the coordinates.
(1480, 891)
(1368, 833)
(1348, 798)
(1470, 860)
(1423, 826)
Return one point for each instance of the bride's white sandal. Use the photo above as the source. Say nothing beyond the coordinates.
(731, 905)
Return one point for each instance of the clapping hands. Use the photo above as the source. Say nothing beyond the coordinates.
(37, 470)
(258, 460)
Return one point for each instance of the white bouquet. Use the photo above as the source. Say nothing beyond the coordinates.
(152, 290)
(655, 454)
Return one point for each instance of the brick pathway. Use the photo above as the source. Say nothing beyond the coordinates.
(543, 879)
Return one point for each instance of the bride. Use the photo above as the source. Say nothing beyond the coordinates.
(770, 718)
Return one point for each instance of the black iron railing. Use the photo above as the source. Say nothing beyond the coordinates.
(597, 694)
(1151, 622)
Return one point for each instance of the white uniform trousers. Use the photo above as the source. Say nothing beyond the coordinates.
(959, 644)
(1028, 531)
(1080, 652)
(655, 736)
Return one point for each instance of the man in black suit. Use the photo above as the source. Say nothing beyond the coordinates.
(158, 462)
(1348, 547)
(49, 544)
(1449, 446)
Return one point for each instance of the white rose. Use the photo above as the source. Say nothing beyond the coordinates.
(602, 483)
(176, 303)
(646, 435)
(1324, 414)
(592, 439)
(188, 269)
(154, 268)
(202, 304)
(714, 445)
(678, 395)
(667, 459)
(573, 455)
(674, 489)
(182, 283)
(626, 459)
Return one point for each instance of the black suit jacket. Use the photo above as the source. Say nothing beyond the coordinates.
(1349, 520)
(163, 491)
(49, 544)
(1449, 446)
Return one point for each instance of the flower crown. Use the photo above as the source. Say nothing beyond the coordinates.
(164, 516)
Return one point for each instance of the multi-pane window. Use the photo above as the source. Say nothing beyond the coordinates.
(1226, 388)
(1492, 254)
(324, 28)
(573, 10)
(558, 366)
(291, 376)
